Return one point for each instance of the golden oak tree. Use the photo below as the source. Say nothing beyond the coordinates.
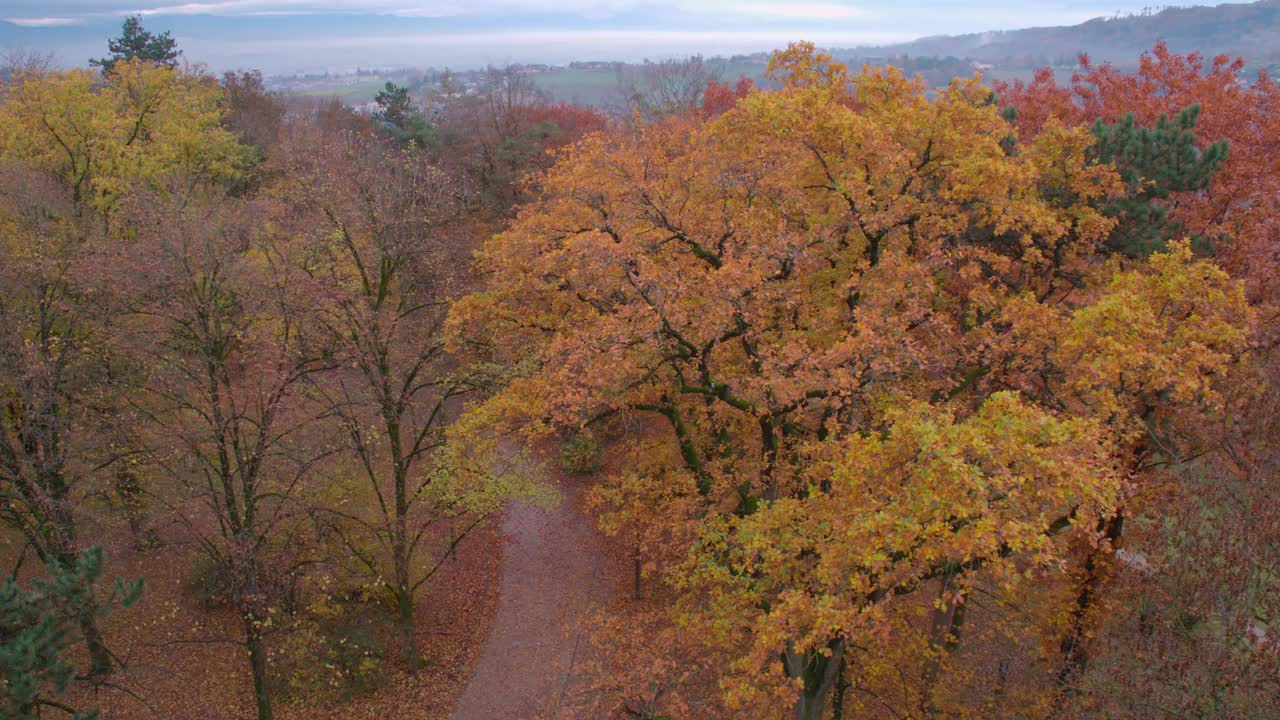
(889, 362)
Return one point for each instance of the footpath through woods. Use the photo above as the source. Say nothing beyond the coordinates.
(554, 570)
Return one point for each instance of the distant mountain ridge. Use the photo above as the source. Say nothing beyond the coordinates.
(1251, 31)
(346, 41)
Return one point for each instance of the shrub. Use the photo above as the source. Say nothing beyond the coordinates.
(335, 658)
(208, 582)
(581, 453)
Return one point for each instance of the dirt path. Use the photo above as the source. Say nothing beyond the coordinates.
(553, 569)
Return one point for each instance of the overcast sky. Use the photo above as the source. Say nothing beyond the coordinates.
(274, 33)
(930, 16)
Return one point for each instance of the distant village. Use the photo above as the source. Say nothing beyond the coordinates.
(357, 87)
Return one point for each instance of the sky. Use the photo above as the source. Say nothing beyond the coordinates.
(289, 35)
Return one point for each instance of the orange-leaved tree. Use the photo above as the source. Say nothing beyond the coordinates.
(885, 366)
(1182, 607)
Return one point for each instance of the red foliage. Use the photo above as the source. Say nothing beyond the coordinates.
(720, 97)
(573, 121)
(1243, 202)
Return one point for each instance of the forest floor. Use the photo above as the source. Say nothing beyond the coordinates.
(503, 629)
(181, 660)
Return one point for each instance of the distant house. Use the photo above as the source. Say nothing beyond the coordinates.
(595, 65)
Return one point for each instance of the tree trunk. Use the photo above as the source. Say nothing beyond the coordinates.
(1097, 570)
(842, 686)
(99, 656)
(257, 665)
(637, 566)
(408, 627)
(403, 591)
(401, 547)
(819, 673)
(100, 663)
(944, 639)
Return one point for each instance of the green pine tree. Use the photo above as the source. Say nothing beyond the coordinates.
(136, 43)
(402, 119)
(394, 105)
(1153, 163)
(39, 623)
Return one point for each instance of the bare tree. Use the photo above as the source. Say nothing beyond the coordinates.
(381, 223)
(253, 113)
(18, 61)
(665, 87)
(219, 307)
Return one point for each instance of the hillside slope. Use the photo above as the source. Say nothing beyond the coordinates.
(1249, 30)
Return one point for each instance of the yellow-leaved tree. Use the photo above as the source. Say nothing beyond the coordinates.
(142, 122)
(70, 146)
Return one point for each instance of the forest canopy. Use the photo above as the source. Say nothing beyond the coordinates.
(898, 402)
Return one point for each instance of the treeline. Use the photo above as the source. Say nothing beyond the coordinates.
(906, 404)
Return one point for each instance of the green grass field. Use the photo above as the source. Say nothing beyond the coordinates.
(598, 88)
(355, 93)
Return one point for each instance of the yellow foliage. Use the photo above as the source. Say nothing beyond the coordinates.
(143, 123)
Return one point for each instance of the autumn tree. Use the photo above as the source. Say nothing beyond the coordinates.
(52, 385)
(718, 97)
(563, 123)
(143, 123)
(505, 131)
(69, 148)
(137, 43)
(1159, 627)
(254, 114)
(487, 137)
(1237, 210)
(383, 225)
(217, 313)
(886, 365)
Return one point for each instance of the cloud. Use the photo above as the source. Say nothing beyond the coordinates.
(43, 22)
(225, 7)
(430, 11)
(595, 9)
(910, 17)
(801, 11)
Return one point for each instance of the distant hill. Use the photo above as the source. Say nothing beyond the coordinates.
(1251, 31)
